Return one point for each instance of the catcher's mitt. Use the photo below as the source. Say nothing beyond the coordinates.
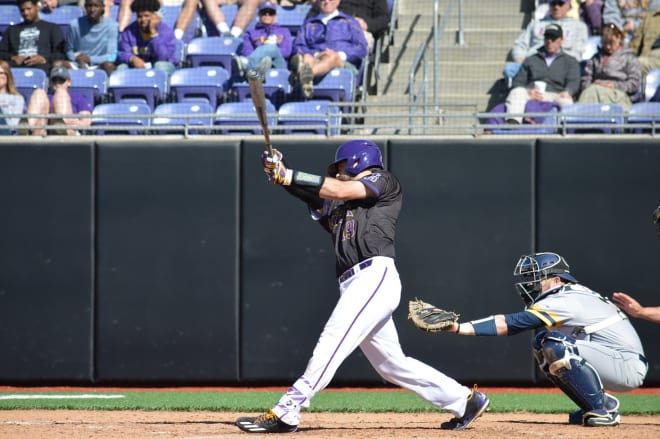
(430, 318)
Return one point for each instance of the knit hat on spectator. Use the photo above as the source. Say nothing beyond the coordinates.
(553, 31)
(268, 6)
(60, 72)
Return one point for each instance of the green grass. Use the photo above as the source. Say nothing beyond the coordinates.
(257, 401)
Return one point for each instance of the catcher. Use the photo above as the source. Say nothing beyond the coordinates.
(589, 344)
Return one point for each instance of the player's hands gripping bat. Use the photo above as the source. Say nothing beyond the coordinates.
(430, 318)
(275, 169)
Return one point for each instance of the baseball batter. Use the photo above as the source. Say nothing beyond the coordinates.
(358, 203)
(589, 346)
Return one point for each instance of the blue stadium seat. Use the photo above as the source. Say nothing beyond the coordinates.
(645, 113)
(292, 17)
(9, 14)
(651, 84)
(547, 126)
(171, 14)
(609, 115)
(27, 79)
(148, 86)
(119, 118)
(315, 116)
(338, 85)
(62, 16)
(241, 117)
(183, 113)
(212, 51)
(200, 84)
(93, 84)
(276, 87)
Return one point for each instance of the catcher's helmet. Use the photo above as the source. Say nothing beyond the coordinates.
(359, 155)
(532, 269)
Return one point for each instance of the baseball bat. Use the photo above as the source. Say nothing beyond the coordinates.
(255, 80)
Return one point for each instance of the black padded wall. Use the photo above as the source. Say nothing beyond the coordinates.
(46, 255)
(167, 262)
(465, 221)
(595, 199)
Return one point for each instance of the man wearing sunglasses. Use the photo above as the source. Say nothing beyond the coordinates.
(531, 39)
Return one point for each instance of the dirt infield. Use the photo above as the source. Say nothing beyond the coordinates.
(67, 424)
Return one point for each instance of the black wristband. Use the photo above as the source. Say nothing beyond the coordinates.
(458, 329)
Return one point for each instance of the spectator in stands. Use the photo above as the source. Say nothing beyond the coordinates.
(328, 40)
(49, 6)
(626, 14)
(188, 9)
(549, 75)
(613, 75)
(92, 39)
(34, 42)
(268, 44)
(59, 101)
(11, 100)
(588, 11)
(243, 18)
(373, 16)
(147, 42)
(646, 42)
(532, 38)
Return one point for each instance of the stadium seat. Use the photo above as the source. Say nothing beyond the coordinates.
(276, 87)
(62, 16)
(292, 17)
(338, 85)
(315, 116)
(241, 117)
(27, 79)
(544, 125)
(93, 84)
(139, 85)
(9, 14)
(171, 14)
(651, 84)
(645, 113)
(183, 113)
(119, 118)
(200, 84)
(212, 51)
(609, 115)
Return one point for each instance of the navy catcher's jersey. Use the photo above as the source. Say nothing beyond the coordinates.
(570, 308)
(362, 229)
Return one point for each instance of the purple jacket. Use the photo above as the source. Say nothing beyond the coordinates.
(160, 48)
(256, 37)
(342, 34)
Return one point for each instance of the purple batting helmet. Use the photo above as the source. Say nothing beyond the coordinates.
(359, 155)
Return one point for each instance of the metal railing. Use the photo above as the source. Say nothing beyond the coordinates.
(420, 119)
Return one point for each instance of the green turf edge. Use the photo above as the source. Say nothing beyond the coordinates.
(369, 402)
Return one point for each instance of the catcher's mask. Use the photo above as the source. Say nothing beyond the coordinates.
(359, 155)
(532, 269)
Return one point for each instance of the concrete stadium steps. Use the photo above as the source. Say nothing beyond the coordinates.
(467, 73)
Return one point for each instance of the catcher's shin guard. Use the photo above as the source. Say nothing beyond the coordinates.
(559, 359)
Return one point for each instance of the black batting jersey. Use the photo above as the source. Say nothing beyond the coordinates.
(362, 229)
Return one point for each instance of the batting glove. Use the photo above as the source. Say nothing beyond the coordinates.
(270, 162)
(280, 174)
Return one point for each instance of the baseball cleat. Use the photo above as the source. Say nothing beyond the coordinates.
(477, 404)
(266, 423)
(601, 418)
(611, 405)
